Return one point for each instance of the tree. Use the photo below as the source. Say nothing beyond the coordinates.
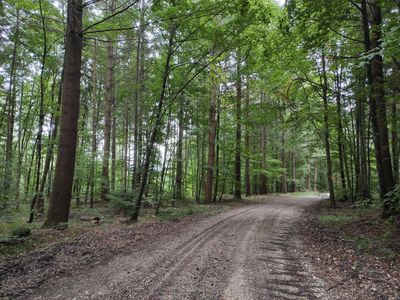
(59, 205)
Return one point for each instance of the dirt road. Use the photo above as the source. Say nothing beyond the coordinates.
(246, 253)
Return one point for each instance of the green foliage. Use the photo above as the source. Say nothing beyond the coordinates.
(20, 230)
(392, 203)
(122, 202)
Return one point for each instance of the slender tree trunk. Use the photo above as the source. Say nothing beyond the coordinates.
(105, 180)
(294, 172)
(113, 145)
(247, 140)
(21, 135)
(315, 175)
(395, 141)
(156, 126)
(179, 153)
(238, 176)
(126, 146)
(208, 188)
(50, 149)
(308, 176)
(39, 138)
(60, 199)
(283, 159)
(164, 165)
(340, 135)
(362, 189)
(263, 176)
(137, 133)
(217, 149)
(10, 103)
(94, 126)
(326, 134)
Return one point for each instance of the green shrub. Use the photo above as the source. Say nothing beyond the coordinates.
(122, 202)
(20, 231)
(391, 203)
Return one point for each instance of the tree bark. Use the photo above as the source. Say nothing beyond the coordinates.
(247, 140)
(60, 199)
(375, 79)
(326, 133)
(94, 126)
(208, 188)
(137, 110)
(179, 153)
(164, 165)
(340, 140)
(10, 103)
(315, 175)
(217, 150)
(109, 99)
(238, 175)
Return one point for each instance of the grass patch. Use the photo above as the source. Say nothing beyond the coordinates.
(334, 220)
(303, 194)
(175, 213)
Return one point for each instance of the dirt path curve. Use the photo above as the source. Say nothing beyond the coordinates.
(246, 253)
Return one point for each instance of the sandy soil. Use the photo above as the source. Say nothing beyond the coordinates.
(246, 253)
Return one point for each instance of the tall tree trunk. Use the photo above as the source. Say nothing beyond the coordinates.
(60, 199)
(39, 137)
(21, 135)
(208, 188)
(377, 103)
(156, 126)
(50, 149)
(105, 180)
(315, 175)
(238, 176)
(263, 176)
(294, 171)
(126, 146)
(247, 140)
(94, 126)
(137, 133)
(10, 103)
(283, 159)
(362, 187)
(340, 135)
(113, 144)
(217, 149)
(308, 176)
(164, 165)
(326, 133)
(378, 94)
(179, 153)
(395, 141)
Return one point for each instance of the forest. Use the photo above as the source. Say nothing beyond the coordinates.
(139, 108)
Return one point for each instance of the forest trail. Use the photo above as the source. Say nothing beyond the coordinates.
(246, 253)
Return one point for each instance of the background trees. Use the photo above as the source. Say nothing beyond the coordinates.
(193, 100)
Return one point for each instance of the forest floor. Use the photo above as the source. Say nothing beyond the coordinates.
(270, 247)
(353, 250)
